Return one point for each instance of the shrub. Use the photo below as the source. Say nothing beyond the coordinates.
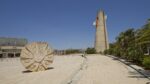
(72, 51)
(146, 62)
(135, 55)
(108, 51)
(90, 51)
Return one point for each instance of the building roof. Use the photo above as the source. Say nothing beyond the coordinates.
(5, 41)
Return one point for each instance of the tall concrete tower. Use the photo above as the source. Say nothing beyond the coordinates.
(101, 39)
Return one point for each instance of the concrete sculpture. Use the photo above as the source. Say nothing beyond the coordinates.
(36, 56)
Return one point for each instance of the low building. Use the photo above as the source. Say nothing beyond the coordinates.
(11, 47)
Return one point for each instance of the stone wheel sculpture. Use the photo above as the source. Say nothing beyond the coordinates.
(36, 56)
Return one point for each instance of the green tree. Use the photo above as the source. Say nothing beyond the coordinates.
(131, 44)
(124, 41)
(143, 36)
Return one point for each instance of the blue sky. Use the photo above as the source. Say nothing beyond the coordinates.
(68, 23)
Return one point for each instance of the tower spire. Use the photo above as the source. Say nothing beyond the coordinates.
(101, 38)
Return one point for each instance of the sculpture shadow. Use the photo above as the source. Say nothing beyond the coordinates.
(28, 71)
(50, 68)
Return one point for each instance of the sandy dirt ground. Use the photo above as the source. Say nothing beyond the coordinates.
(12, 71)
(106, 70)
(95, 69)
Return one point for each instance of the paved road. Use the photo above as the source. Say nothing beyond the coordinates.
(106, 70)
